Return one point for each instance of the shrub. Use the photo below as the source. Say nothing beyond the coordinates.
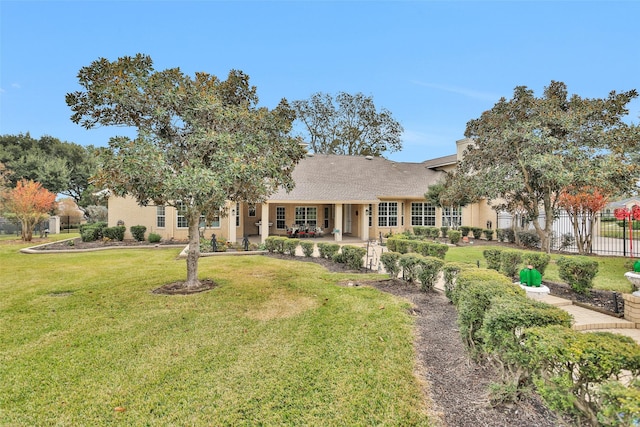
(474, 302)
(506, 235)
(619, 404)
(450, 271)
(510, 263)
(566, 241)
(399, 243)
(493, 257)
(353, 255)
(114, 233)
(271, 244)
(328, 250)
(475, 275)
(154, 238)
(477, 232)
(488, 233)
(539, 260)
(289, 246)
(571, 367)
(410, 264)
(505, 320)
(578, 272)
(438, 250)
(420, 231)
(137, 231)
(528, 239)
(465, 230)
(390, 262)
(444, 230)
(428, 272)
(307, 248)
(433, 232)
(455, 236)
(92, 232)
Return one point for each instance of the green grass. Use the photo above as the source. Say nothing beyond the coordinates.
(610, 272)
(276, 343)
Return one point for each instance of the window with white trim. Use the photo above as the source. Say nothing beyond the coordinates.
(306, 215)
(237, 214)
(423, 214)
(161, 219)
(388, 214)
(181, 220)
(281, 218)
(252, 209)
(370, 215)
(452, 217)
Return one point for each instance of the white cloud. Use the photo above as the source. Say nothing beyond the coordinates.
(16, 86)
(469, 93)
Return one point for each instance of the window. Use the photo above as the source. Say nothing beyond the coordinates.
(326, 217)
(252, 209)
(215, 222)
(280, 218)
(237, 214)
(452, 216)
(388, 214)
(182, 221)
(370, 215)
(306, 215)
(423, 214)
(160, 217)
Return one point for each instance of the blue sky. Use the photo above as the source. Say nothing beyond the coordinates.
(435, 65)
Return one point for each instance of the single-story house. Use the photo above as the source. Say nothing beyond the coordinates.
(358, 196)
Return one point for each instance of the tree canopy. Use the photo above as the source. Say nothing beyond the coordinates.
(200, 141)
(348, 124)
(28, 203)
(526, 150)
(61, 167)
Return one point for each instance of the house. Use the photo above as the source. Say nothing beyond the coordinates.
(357, 196)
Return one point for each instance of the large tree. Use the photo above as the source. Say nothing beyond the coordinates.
(527, 150)
(61, 167)
(349, 125)
(200, 141)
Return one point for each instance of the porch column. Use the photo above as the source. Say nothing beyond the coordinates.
(338, 225)
(232, 223)
(364, 222)
(264, 229)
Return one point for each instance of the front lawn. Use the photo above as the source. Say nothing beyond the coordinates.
(83, 341)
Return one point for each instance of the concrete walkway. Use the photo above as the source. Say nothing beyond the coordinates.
(585, 319)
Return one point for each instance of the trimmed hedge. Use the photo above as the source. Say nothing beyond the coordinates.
(474, 301)
(539, 260)
(455, 236)
(493, 258)
(137, 231)
(289, 246)
(475, 275)
(307, 248)
(450, 271)
(578, 272)
(328, 250)
(154, 238)
(510, 262)
(114, 233)
(352, 256)
(390, 261)
(92, 232)
(569, 368)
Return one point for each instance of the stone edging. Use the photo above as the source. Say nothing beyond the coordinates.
(34, 250)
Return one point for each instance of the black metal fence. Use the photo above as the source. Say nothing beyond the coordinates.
(610, 236)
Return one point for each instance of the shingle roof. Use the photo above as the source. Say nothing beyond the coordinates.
(357, 179)
(441, 161)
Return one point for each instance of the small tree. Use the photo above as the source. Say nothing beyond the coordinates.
(29, 204)
(583, 204)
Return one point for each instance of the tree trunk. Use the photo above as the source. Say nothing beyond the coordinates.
(193, 253)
